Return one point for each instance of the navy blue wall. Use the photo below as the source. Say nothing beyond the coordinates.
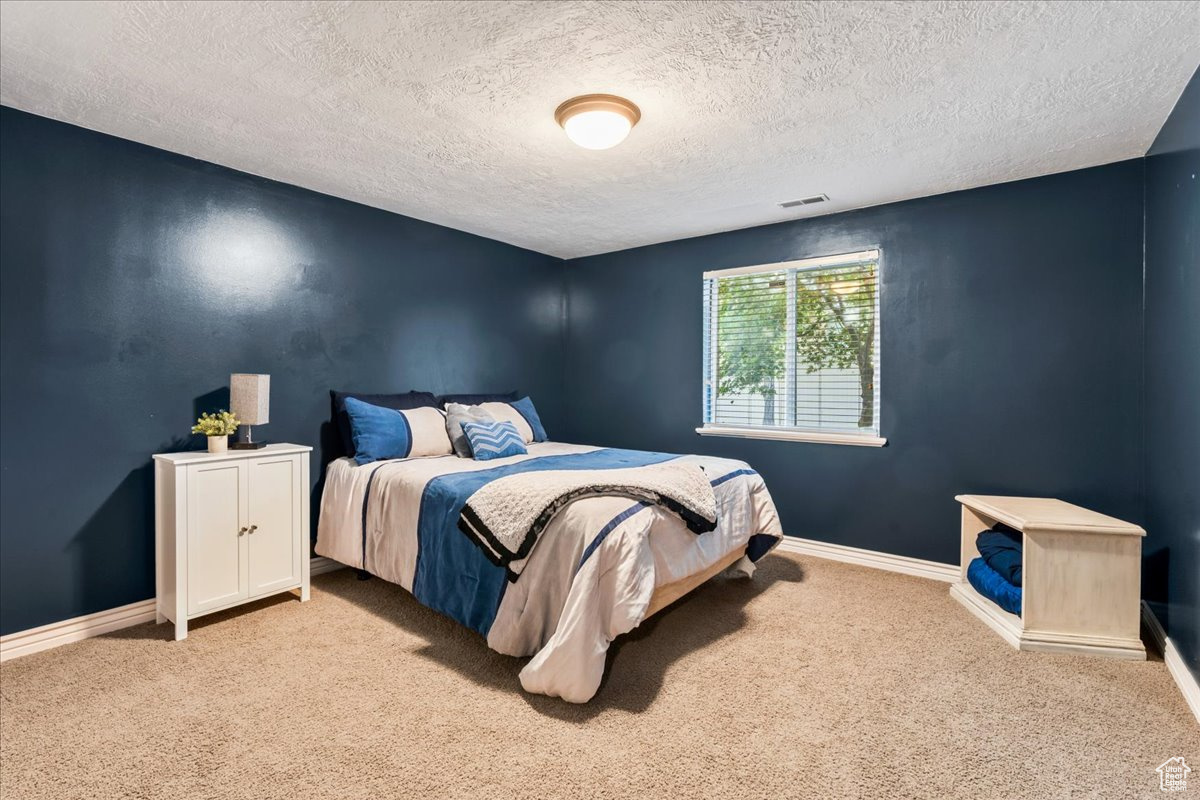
(1172, 547)
(1011, 356)
(133, 281)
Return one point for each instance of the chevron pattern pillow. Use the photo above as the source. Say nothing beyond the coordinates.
(494, 440)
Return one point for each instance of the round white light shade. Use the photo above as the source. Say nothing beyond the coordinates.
(597, 121)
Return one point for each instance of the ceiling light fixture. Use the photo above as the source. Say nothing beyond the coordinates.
(597, 121)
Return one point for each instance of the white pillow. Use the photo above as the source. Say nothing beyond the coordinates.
(429, 437)
(504, 412)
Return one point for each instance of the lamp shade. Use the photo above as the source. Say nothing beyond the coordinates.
(250, 398)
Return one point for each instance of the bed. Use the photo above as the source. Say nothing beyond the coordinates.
(601, 564)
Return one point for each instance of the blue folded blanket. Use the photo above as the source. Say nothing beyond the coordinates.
(991, 584)
(1001, 549)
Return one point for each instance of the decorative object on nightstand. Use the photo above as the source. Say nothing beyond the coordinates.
(217, 428)
(229, 528)
(250, 399)
(1080, 576)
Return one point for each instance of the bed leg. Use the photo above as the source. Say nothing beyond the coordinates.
(363, 575)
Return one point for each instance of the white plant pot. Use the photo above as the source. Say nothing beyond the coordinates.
(218, 444)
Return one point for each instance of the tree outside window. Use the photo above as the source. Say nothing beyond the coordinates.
(774, 327)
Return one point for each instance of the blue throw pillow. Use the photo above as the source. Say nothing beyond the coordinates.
(341, 420)
(378, 432)
(381, 433)
(494, 440)
(525, 408)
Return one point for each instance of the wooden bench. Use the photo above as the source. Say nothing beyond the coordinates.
(1081, 577)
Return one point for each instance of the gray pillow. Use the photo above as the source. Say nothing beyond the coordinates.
(456, 415)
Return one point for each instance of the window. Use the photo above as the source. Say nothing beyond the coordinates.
(791, 350)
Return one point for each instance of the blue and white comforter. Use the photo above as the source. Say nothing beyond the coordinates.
(590, 577)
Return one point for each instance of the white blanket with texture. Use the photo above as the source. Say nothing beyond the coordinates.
(507, 516)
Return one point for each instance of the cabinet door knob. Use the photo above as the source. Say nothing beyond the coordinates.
(242, 530)
(253, 528)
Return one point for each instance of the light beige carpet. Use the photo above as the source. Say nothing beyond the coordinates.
(814, 679)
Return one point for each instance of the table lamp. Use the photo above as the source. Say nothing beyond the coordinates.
(249, 400)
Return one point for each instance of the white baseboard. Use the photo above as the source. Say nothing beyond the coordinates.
(45, 637)
(934, 570)
(1183, 676)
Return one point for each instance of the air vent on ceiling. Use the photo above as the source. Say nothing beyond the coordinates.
(805, 201)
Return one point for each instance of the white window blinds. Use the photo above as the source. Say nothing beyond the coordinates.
(794, 346)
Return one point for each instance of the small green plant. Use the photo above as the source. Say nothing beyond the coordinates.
(222, 423)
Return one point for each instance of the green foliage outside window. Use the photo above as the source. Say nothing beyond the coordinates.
(835, 328)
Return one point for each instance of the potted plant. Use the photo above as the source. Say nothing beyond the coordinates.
(217, 428)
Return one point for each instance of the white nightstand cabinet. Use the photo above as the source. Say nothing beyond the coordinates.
(229, 528)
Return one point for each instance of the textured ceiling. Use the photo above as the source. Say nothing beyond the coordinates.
(444, 111)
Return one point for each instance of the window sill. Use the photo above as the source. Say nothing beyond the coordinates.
(786, 435)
